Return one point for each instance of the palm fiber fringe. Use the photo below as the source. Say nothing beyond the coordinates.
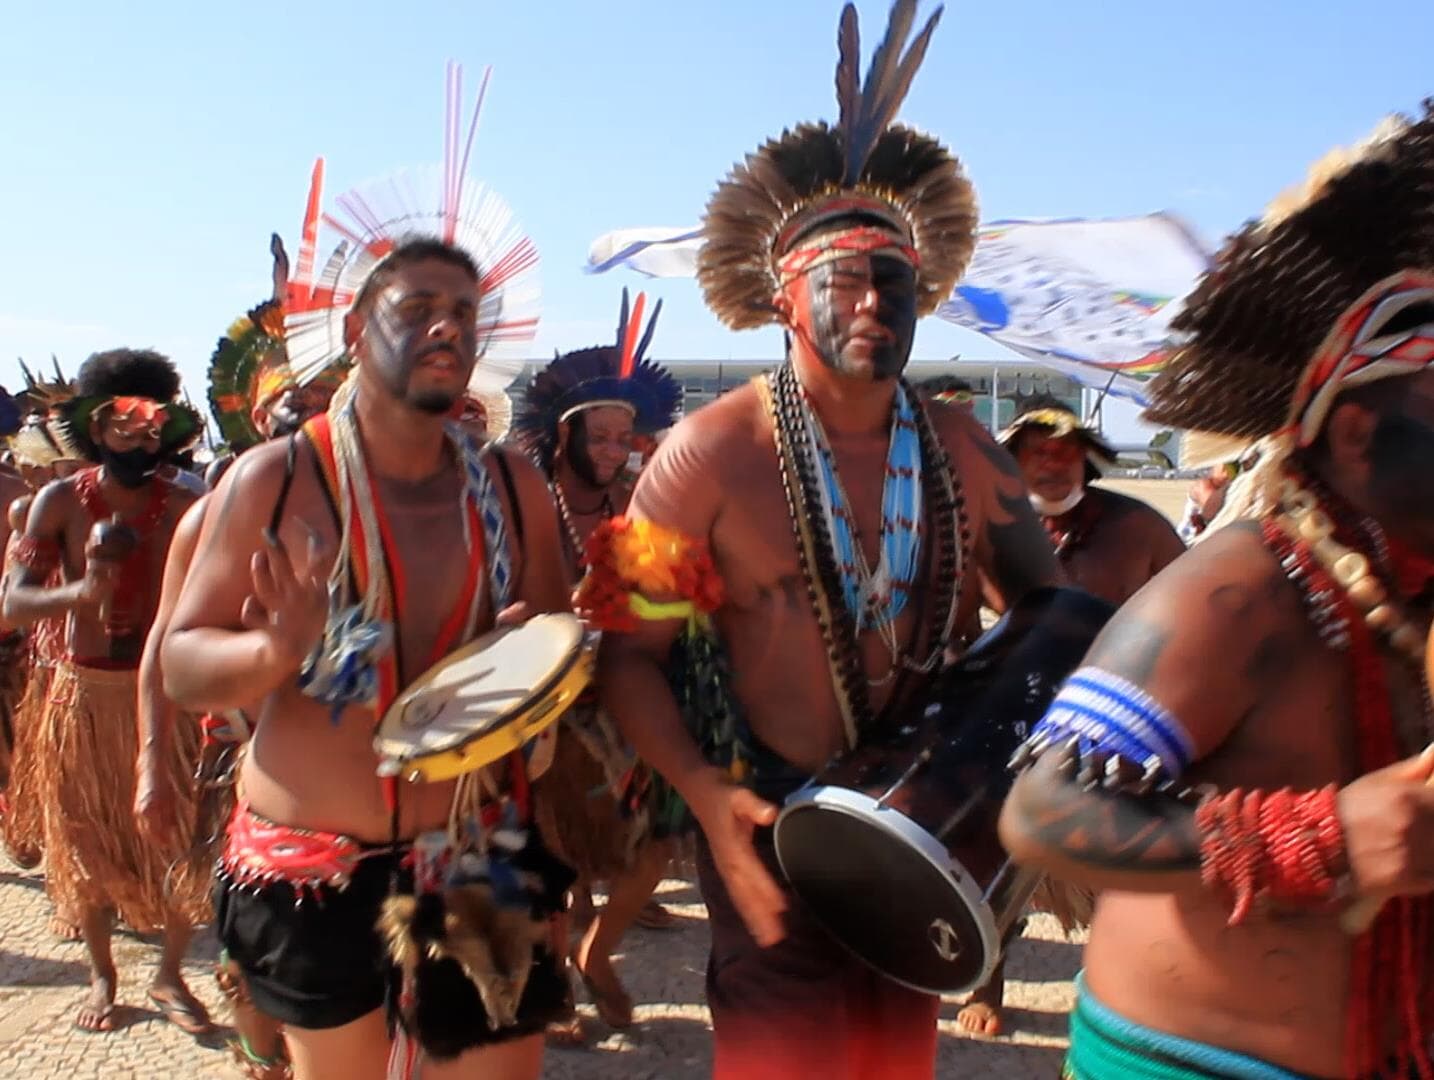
(85, 747)
(14, 667)
(575, 804)
(22, 828)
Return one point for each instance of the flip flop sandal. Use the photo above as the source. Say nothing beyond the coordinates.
(182, 1015)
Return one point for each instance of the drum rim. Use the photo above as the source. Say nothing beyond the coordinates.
(537, 694)
(861, 805)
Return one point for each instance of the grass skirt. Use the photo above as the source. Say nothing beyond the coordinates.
(85, 745)
(575, 801)
(22, 827)
(14, 668)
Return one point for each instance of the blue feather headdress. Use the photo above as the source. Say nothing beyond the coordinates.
(605, 375)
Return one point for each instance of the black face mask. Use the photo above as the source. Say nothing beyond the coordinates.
(130, 469)
(895, 284)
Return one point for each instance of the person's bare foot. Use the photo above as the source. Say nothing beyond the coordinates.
(979, 1018)
(613, 1004)
(63, 929)
(98, 1009)
(180, 1007)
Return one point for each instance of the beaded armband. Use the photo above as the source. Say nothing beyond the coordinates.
(40, 556)
(1110, 719)
(628, 561)
(1283, 846)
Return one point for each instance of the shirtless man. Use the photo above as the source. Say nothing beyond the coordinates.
(98, 864)
(1278, 669)
(856, 259)
(1109, 544)
(577, 420)
(255, 606)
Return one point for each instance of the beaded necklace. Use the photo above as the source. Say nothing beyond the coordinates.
(875, 598)
(786, 406)
(132, 586)
(1352, 608)
(565, 514)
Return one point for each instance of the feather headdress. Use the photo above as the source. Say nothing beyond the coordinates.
(443, 203)
(1307, 298)
(617, 374)
(43, 438)
(907, 190)
(250, 365)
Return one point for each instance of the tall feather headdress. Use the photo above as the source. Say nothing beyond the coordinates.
(445, 203)
(1294, 296)
(904, 185)
(617, 374)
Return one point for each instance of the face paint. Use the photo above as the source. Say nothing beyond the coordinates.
(421, 336)
(849, 331)
(1052, 468)
(129, 468)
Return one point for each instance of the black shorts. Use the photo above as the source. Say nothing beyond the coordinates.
(320, 963)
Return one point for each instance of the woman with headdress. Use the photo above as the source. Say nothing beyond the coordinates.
(1241, 769)
(577, 420)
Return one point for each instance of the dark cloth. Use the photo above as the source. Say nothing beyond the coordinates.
(321, 963)
(805, 1006)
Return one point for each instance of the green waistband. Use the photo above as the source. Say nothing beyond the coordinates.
(1106, 1046)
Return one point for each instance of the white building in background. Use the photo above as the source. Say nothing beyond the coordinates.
(999, 387)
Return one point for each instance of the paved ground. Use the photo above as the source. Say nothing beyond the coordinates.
(42, 980)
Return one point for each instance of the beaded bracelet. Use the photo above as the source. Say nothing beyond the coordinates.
(1285, 846)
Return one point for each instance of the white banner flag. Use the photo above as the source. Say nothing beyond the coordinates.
(1092, 299)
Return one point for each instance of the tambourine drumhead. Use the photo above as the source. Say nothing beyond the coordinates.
(525, 675)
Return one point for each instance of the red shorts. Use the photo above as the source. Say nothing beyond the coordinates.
(805, 1006)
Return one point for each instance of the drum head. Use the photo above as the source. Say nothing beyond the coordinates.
(881, 886)
(479, 688)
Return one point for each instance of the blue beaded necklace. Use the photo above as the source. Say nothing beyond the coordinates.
(876, 598)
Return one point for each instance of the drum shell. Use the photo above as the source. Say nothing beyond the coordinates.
(894, 846)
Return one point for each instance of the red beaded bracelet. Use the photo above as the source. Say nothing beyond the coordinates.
(1285, 846)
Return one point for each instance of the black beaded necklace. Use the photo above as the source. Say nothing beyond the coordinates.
(800, 472)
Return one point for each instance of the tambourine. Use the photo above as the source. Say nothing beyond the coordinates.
(491, 697)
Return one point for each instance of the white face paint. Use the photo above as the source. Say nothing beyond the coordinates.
(1047, 508)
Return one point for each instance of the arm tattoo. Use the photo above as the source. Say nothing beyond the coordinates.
(1130, 647)
(1104, 830)
(1021, 554)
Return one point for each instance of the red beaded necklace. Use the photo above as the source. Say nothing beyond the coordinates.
(1385, 973)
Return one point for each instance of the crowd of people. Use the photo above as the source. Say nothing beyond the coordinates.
(1232, 790)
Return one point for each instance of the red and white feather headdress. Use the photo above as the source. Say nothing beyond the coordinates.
(443, 202)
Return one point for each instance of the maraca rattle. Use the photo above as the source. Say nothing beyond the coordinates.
(110, 541)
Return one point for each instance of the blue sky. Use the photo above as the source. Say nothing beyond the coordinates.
(150, 148)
